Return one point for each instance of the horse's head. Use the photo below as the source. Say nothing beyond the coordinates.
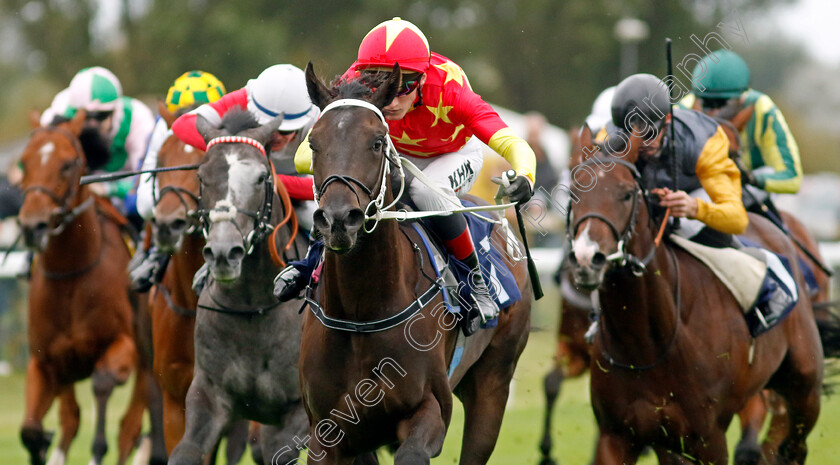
(53, 163)
(601, 223)
(177, 197)
(237, 190)
(350, 156)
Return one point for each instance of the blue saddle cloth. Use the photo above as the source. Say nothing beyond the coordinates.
(775, 300)
(500, 280)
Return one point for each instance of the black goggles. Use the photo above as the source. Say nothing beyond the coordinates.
(409, 85)
(98, 115)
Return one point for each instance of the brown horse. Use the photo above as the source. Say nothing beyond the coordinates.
(78, 327)
(673, 360)
(364, 390)
(176, 231)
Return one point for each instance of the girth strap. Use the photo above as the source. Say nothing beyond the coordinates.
(378, 325)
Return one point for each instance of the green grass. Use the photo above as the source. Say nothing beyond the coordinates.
(573, 434)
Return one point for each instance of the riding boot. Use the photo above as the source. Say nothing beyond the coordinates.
(455, 233)
(295, 277)
(148, 269)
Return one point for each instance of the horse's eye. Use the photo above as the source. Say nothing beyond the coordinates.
(261, 179)
(627, 197)
(67, 168)
(377, 145)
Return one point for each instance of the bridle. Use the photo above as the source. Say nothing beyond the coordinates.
(64, 214)
(375, 207)
(181, 193)
(621, 257)
(225, 211)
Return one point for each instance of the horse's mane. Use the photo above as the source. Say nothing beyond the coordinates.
(237, 120)
(358, 88)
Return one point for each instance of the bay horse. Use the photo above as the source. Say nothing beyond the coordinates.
(673, 360)
(78, 327)
(176, 231)
(391, 387)
(246, 342)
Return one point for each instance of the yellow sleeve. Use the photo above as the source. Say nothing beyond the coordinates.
(516, 151)
(722, 181)
(303, 156)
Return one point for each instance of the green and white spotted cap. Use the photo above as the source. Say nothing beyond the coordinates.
(94, 89)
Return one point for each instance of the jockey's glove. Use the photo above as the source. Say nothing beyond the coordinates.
(519, 191)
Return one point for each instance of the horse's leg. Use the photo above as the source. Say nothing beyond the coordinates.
(421, 435)
(748, 452)
(39, 397)
(173, 420)
(282, 444)
(254, 442)
(156, 433)
(612, 449)
(208, 416)
(68, 416)
(132, 422)
(803, 401)
(237, 441)
(551, 385)
(114, 368)
(779, 426)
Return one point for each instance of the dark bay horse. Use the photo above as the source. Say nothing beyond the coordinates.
(176, 231)
(365, 390)
(246, 343)
(79, 327)
(673, 360)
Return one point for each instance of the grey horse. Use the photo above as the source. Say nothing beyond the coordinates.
(246, 343)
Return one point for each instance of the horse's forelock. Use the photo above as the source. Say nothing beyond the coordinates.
(238, 120)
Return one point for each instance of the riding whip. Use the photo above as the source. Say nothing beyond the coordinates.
(532, 268)
(92, 178)
(671, 148)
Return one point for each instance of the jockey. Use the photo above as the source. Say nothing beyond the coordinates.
(721, 90)
(709, 181)
(116, 128)
(278, 89)
(709, 198)
(431, 122)
(191, 89)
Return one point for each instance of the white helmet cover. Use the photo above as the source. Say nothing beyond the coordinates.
(601, 110)
(281, 89)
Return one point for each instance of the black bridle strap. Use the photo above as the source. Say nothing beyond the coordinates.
(377, 325)
(348, 181)
(183, 311)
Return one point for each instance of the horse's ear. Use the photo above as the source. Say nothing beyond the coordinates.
(264, 132)
(76, 124)
(740, 120)
(164, 113)
(34, 119)
(205, 129)
(386, 92)
(585, 136)
(318, 91)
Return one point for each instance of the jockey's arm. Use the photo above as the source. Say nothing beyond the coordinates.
(778, 148)
(185, 129)
(303, 157)
(486, 124)
(142, 124)
(722, 181)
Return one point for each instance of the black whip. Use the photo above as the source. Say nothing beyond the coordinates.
(92, 178)
(671, 148)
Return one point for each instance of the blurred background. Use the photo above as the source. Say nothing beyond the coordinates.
(542, 62)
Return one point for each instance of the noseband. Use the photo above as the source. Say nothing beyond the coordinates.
(181, 193)
(376, 205)
(224, 211)
(64, 213)
(620, 257)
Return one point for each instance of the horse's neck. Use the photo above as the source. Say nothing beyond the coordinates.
(82, 236)
(375, 279)
(184, 265)
(638, 312)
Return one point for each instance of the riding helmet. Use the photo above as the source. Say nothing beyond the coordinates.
(94, 89)
(281, 89)
(639, 97)
(394, 41)
(721, 74)
(193, 87)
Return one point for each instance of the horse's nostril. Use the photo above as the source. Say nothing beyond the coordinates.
(40, 227)
(354, 219)
(178, 225)
(599, 259)
(236, 254)
(320, 219)
(207, 252)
